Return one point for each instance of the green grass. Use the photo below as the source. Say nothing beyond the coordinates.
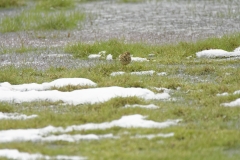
(41, 21)
(207, 131)
(171, 53)
(54, 4)
(11, 3)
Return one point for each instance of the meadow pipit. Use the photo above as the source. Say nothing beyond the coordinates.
(125, 58)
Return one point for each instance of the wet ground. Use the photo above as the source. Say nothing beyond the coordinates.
(162, 21)
(44, 60)
(153, 22)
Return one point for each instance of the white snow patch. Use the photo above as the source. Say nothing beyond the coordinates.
(109, 57)
(232, 104)
(138, 59)
(151, 136)
(83, 96)
(162, 74)
(218, 53)
(236, 92)
(44, 134)
(223, 94)
(237, 49)
(97, 56)
(15, 154)
(16, 116)
(5, 86)
(117, 73)
(94, 56)
(151, 72)
(150, 106)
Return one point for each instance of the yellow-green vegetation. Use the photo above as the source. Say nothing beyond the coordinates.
(11, 3)
(207, 131)
(170, 53)
(55, 4)
(44, 15)
(41, 21)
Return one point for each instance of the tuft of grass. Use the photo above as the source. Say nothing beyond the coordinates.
(54, 4)
(70, 88)
(41, 21)
(11, 3)
(5, 107)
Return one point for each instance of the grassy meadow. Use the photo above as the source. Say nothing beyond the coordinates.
(207, 131)
(45, 15)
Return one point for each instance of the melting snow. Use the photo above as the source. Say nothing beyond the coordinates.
(233, 103)
(15, 154)
(16, 116)
(5, 86)
(35, 92)
(218, 53)
(223, 94)
(236, 92)
(150, 106)
(162, 74)
(117, 73)
(109, 57)
(44, 134)
(94, 56)
(97, 56)
(151, 72)
(237, 49)
(138, 59)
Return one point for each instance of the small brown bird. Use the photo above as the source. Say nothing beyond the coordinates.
(125, 58)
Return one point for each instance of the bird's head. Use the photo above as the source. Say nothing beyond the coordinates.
(128, 53)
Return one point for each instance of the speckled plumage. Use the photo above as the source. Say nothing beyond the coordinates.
(125, 58)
